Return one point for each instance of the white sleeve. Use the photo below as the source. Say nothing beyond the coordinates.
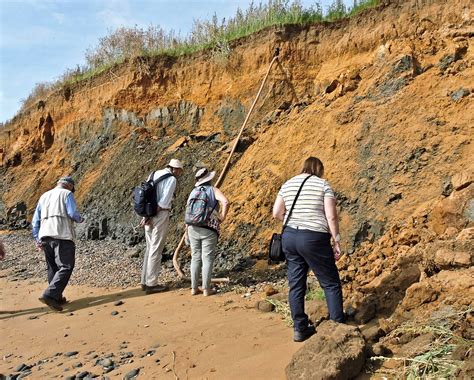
(167, 189)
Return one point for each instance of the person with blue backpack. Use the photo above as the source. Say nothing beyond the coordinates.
(206, 209)
(155, 209)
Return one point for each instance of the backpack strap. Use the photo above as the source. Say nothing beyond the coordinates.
(163, 177)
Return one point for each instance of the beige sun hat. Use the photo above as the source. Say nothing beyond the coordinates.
(177, 164)
(203, 175)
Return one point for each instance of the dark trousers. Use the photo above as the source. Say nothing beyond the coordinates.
(60, 258)
(306, 249)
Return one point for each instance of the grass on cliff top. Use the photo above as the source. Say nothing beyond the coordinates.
(215, 35)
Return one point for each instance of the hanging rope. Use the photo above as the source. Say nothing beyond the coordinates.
(226, 165)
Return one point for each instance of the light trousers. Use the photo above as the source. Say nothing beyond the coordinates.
(155, 235)
(203, 242)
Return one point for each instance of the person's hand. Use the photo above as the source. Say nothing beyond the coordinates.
(144, 222)
(336, 248)
(39, 245)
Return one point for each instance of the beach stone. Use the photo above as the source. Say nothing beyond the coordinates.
(336, 351)
(264, 306)
(71, 353)
(133, 373)
(114, 312)
(118, 303)
(106, 362)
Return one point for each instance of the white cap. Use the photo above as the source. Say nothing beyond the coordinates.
(174, 163)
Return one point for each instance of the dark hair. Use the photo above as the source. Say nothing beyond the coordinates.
(313, 165)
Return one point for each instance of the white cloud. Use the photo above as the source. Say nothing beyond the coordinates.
(116, 13)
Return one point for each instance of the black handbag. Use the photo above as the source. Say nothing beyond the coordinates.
(275, 249)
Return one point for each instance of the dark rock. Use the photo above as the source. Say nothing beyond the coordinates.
(394, 197)
(264, 306)
(33, 317)
(118, 303)
(365, 312)
(336, 351)
(71, 353)
(82, 374)
(77, 365)
(446, 61)
(133, 373)
(114, 312)
(447, 188)
(331, 87)
(459, 94)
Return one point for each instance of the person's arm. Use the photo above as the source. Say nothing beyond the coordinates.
(169, 186)
(279, 208)
(333, 223)
(71, 209)
(223, 201)
(36, 221)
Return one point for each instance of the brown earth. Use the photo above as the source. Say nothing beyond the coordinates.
(385, 99)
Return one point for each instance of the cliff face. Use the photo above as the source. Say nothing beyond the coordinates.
(384, 99)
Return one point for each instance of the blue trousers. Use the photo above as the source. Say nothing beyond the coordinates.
(305, 249)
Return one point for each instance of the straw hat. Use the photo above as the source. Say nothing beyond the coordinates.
(203, 175)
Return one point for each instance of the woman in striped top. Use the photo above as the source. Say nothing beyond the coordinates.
(306, 242)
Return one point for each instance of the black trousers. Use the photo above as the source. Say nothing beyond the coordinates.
(306, 249)
(60, 259)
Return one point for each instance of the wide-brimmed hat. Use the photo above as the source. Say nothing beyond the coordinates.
(66, 180)
(174, 163)
(203, 175)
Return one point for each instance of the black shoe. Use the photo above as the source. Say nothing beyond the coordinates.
(301, 336)
(155, 289)
(51, 302)
(143, 287)
(63, 301)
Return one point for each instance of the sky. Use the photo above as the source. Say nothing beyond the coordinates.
(40, 39)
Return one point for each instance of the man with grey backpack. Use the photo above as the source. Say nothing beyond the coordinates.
(156, 223)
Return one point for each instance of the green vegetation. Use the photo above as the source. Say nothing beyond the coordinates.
(128, 43)
(436, 362)
(283, 309)
(315, 294)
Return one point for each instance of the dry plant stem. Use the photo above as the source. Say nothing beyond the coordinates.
(174, 362)
(226, 165)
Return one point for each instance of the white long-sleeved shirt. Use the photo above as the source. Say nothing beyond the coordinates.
(165, 188)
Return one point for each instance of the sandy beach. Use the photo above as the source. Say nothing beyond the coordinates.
(170, 335)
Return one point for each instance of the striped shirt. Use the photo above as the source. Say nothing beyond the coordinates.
(308, 212)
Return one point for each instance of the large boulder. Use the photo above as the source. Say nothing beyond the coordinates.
(336, 351)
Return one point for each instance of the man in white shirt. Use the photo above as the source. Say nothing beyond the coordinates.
(53, 231)
(156, 227)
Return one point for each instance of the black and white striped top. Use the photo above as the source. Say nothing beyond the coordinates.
(308, 212)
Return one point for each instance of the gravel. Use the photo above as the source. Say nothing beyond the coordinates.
(99, 263)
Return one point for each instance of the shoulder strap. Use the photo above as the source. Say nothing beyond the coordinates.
(294, 201)
(163, 177)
